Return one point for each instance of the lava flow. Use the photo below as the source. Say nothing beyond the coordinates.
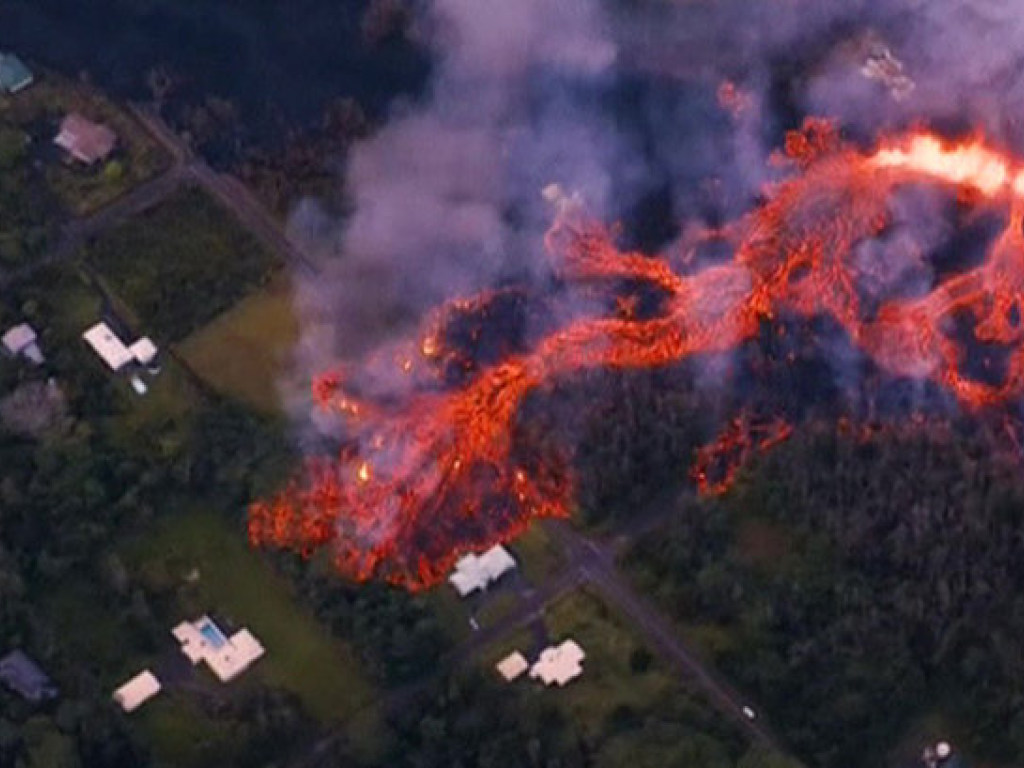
(432, 474)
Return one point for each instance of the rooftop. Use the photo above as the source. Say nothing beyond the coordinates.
(21, 340)
(14, 75)
(143, 350)
(84, 140)
(137, 691)
(559, 664)
(512, 666)
(108, 346)
(203, 641)
(22, 675)
(473, 572)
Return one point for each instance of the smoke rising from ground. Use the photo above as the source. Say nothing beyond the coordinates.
(616, 100)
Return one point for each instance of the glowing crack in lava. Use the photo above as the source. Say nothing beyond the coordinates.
(435, 474)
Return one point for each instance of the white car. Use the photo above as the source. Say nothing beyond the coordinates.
(749, 713)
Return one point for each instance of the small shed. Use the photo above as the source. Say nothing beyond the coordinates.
(137, 691)
(23, 676)
(84, 140)
(512, 666)
(14, 75)
(143, 350)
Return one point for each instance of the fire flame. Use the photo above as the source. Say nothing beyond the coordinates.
(444, 479)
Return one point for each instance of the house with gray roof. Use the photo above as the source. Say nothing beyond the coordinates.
(14, 75)
(23, 676)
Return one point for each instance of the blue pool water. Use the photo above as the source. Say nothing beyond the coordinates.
(212, 634)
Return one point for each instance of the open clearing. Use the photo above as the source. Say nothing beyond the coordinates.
(244, 352)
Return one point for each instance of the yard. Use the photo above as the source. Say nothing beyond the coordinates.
(61, 302)
(627, 707)
(244, 352)
(37, 112)
(539, 559)
(181, 264)
(196, 563)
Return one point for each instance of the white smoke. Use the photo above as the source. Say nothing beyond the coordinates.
(445, 195)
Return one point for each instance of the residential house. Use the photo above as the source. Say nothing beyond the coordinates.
(86, 141)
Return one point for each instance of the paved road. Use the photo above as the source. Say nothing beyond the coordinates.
(78, 232)
(597, 564)
(231, 192)
(185, 168)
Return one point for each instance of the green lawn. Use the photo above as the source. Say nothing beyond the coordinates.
(607, 681)
(236, 584)
(451, 612)
(179, 734)
(496, 606)
(95, 632)
(81, 191)
(520, 639)
(180, 264)
(538, 557)
(244, 352)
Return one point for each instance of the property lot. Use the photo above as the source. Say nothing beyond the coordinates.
(195, 563)
(36, 113)
(180, 264)
(626, 708)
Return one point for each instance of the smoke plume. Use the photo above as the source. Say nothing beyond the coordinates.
(616, 100)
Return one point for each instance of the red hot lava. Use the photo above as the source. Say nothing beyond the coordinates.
(435, 474)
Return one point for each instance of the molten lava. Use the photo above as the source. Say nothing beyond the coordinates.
(433, 472)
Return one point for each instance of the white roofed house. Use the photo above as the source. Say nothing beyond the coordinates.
(108, 346)
(477, 572)
(203, 641)
(119, 356)
(22, 340)
(559, 664)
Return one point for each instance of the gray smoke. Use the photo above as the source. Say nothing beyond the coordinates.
(445, 196)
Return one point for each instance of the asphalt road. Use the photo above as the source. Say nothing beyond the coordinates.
(597, 563)
(186, 168)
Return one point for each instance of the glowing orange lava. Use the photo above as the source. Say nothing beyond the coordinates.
(443, 477)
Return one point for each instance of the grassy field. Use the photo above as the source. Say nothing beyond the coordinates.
(236, 584)
(180, 734)
(244, 352)
(181, 264)
(38, 111)
(495, 606)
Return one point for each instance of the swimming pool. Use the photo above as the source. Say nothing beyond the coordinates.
(211, 634)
